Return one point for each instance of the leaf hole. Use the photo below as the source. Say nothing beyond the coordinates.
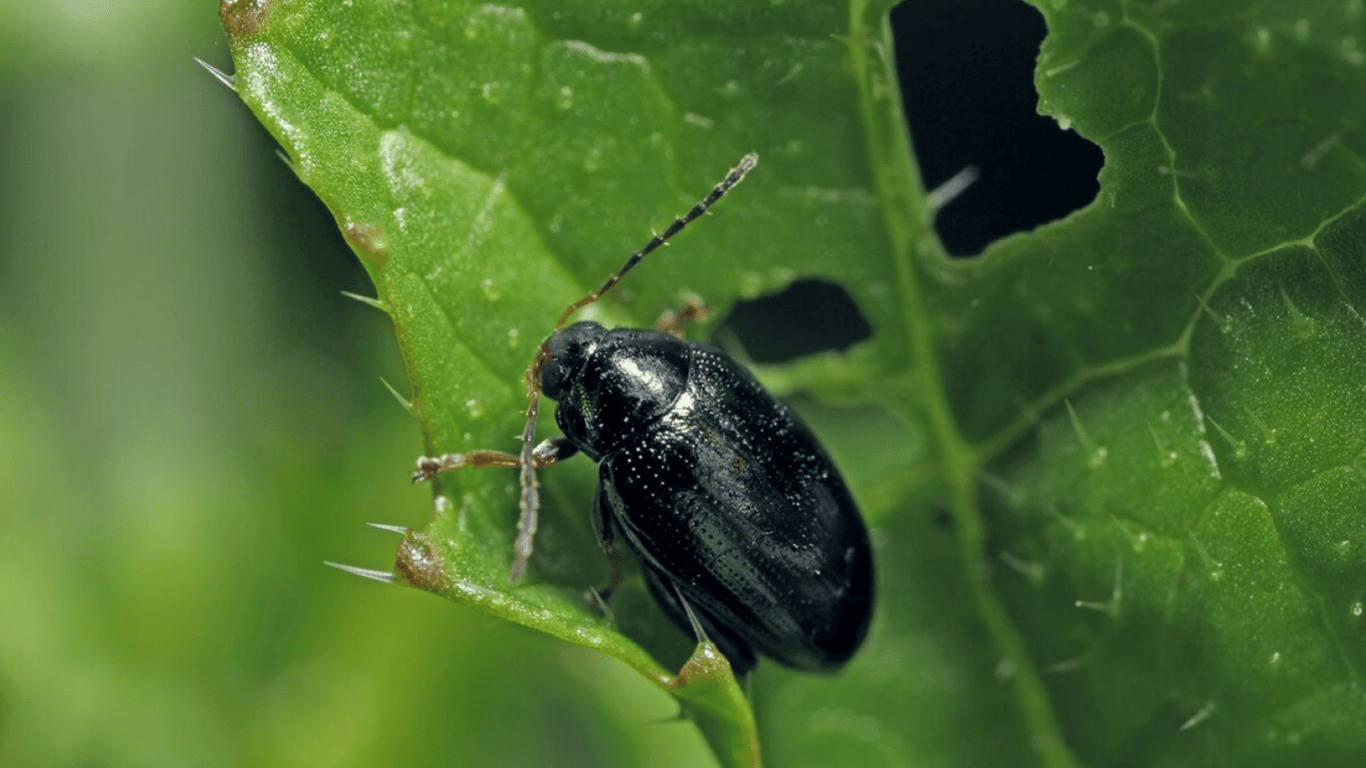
(807, 317)
(967, 78)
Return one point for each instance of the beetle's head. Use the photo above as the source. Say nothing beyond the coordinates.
(565, 353)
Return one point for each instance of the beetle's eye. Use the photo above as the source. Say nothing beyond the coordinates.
(553, 376)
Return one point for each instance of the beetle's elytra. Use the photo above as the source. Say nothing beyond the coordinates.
(725, 497)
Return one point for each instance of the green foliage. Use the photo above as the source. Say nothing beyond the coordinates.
(1145, 422)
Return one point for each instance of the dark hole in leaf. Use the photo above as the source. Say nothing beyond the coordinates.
(808, 316)
(967, 80)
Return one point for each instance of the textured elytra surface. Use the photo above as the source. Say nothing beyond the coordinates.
(1144, 422)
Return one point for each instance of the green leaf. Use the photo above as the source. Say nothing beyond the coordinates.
(1143, 425)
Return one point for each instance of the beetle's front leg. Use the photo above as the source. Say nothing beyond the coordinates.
(602, 526)
(551, 450)
(548, 452)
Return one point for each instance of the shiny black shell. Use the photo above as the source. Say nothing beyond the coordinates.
(720, 491)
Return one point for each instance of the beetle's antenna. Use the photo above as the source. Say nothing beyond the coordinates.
(531, 494)
(747, 163)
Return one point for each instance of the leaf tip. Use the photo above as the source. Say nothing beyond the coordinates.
(706, 663)
(403, 402)
(365, 573)
(1199, 717)
(366, 300)
(950, 190)
(368, 240)
(400, 530)
(421, 563)
(218, 74)
(243, 18)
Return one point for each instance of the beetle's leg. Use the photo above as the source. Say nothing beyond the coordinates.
(548, 452)
(430, 466)
(602, 526)
(673, 322)
(551, 450)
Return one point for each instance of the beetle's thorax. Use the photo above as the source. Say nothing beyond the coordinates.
(612, 385)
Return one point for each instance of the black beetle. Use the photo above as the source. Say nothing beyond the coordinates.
(731, 505)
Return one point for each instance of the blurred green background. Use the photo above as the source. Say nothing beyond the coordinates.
(192, 421)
